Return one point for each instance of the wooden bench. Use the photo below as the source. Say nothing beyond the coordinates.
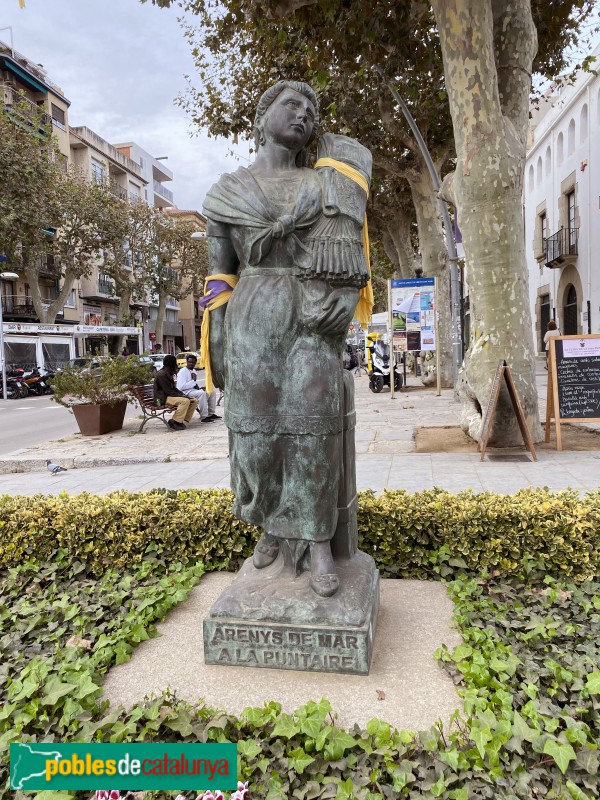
(145, 397)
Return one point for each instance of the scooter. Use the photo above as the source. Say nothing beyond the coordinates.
(37, 382)
(379, 376)
(15, 389)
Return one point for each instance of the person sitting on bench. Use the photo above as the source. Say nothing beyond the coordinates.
(165, 392)
(187, 383)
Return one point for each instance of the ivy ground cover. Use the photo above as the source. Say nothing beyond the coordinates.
(528, 671)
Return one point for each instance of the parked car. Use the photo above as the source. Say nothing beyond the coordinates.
(146, 361)
(157, 361)
(92, 364)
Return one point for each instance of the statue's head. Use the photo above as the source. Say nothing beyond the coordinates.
(284, 91)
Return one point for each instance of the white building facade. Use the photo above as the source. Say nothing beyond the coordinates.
(562, 210)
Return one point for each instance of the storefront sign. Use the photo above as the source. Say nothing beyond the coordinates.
(73, 330)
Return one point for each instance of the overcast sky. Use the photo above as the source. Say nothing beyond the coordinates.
(122, 64)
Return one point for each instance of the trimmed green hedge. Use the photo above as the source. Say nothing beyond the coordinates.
(405, 533)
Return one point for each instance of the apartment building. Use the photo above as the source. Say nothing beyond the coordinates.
(26, 85)
(89, 318)
(100, 161)
(562, 209)
(154, 172)
(156, 194)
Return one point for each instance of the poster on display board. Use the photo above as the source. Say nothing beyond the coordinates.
(412, 311)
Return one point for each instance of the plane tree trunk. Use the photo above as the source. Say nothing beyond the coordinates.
(488, 48)
(435, 264)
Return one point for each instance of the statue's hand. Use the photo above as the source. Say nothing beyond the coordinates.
(217, 371)
(216, 347)
(337, 312)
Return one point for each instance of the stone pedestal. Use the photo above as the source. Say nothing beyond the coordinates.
(269, 618)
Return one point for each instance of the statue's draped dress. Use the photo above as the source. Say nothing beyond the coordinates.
(283, 380)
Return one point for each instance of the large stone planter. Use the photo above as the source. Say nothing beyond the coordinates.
(93, 420)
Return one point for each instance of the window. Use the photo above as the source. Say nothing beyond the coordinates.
(571, 138)
(98, 171)
(58, 116)
(560, 148)
(571, 219)
(141, 162)
(548, 160)
(583, 122)
(71, 301)
(541, 234)
(539, 170)
(104, 284)
(531, 178)
(544, 225)
(171, 315)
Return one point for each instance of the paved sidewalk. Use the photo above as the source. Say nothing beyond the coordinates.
(159, 458)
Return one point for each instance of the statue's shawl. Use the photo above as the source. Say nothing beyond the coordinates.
(237, 199)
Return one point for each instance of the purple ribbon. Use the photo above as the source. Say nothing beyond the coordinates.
(215, 288)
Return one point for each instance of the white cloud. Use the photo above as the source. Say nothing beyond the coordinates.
(122, 64)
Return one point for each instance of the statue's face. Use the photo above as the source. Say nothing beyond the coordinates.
(289, 120)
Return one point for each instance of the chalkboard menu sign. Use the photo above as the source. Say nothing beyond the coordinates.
(573, 382)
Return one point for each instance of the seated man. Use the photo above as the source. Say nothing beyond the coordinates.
(187, 383)
(165, 392)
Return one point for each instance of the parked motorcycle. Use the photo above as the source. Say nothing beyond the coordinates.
(380, 368)
(15, 389)
(38, 382)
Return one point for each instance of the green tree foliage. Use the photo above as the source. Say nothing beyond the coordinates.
(79, 212)
(28, 175)
(130, 253)
(180, 264)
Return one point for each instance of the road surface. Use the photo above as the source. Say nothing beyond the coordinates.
(33, 420)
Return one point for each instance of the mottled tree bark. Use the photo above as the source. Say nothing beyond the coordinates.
(160, 317)
(488, 48)
(435, 264)
(47, 312)
(397, 244)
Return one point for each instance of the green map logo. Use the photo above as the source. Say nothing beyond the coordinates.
(35, 766)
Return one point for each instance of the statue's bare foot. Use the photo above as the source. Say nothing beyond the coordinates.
(266, 551)
(323, 580)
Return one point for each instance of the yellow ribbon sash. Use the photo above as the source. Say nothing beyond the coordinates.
(364, 307)
(218, 301)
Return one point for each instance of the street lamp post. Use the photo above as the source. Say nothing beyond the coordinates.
(9, 276)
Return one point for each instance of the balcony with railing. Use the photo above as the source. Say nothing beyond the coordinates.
(561, 249)
(118, 190)
(20, 306)
(163, 192)
(106, 286)
(89, 137)
(23, 110)
(49, 266)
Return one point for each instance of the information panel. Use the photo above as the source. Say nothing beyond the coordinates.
(413, 314)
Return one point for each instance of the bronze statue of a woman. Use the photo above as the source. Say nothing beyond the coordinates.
(276, 346)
